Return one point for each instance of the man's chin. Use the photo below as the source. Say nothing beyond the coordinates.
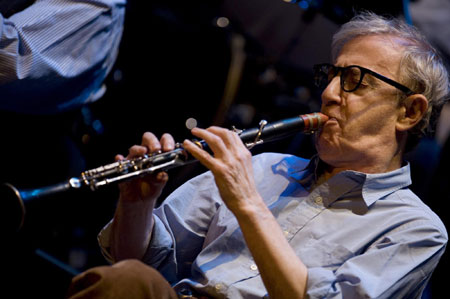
(323, 142)
(327, 150)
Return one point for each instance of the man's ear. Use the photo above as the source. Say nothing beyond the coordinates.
(411, 111)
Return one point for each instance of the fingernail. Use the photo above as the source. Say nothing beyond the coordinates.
(162, 176)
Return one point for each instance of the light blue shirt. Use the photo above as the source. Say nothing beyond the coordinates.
(55, 54)
(360, 235)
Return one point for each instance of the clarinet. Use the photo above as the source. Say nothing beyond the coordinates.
(125, 170)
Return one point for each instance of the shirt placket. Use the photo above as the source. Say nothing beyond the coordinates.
(308, 209)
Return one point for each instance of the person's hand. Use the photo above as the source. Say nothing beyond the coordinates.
(231, 165)
(150, 186)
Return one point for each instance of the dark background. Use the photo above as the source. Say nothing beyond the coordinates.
(178, 59)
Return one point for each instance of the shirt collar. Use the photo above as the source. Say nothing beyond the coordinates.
(380, 185)
(371, 186)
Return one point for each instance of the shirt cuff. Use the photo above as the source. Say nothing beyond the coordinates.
(160, 246)
(104, 241)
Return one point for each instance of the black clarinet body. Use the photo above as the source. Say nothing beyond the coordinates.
(14, 200)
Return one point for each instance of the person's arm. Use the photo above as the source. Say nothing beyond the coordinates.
(283, 273)
(400, 262)
(54, 55)
(133, 220)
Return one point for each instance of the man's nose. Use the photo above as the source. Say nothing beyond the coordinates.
(332, 93)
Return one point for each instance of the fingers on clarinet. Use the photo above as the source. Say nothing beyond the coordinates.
(119, 158)
(213, 140)
(204, 157)
(228, 137)
(150, 141)
(168, 143)
(137, 151)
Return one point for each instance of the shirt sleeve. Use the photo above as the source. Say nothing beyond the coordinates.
(398, 265)
(55, 54)
(180, 227)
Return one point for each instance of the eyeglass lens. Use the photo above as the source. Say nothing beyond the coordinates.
(350, 77)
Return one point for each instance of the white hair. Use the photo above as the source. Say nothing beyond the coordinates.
(421, 67)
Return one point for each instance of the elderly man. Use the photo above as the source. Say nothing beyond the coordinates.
(343, 224)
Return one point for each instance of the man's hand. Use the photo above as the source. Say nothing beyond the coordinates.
(148, 187)
(283, 273)
(231, 165)
(133, 220)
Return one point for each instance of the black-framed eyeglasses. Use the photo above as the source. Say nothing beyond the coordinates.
(351, 77)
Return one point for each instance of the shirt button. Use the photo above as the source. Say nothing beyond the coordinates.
(254, 267)
(318, 200)
(286, 233)
(218, 286)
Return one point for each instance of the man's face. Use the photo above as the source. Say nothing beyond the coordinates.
(362, 122)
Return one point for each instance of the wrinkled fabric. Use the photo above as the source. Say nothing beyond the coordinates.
(360, 235)
(55, 54)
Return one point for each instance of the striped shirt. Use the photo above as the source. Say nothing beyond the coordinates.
(55, 54)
